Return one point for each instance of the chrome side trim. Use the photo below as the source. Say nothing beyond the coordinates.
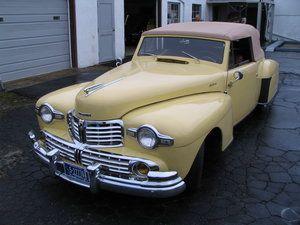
(90, 90)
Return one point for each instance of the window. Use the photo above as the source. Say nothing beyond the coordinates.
(196, 12)
(240, 52)
(196, 48)
(173, 12)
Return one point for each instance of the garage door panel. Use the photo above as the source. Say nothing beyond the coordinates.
(33, 41)
(6, 68)
(28, 30)
(36, 70)
(20, 54)
(34, 38)
(32, 6)
(33, 18)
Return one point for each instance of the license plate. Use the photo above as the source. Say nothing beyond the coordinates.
(77, 173)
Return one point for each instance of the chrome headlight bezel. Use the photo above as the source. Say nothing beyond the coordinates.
(54, 113)
(160, 139)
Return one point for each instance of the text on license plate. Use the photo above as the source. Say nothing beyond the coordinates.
(77, 173)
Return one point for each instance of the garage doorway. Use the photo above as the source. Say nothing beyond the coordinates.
(236, 12)
(140, 16)
(242, 13)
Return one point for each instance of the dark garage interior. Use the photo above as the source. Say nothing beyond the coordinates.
(139, 17)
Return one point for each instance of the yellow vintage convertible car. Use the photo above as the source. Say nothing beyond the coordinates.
(148, 127)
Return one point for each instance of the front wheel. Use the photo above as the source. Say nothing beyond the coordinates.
(194, 177)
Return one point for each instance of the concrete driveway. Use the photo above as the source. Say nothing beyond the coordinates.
(256, 181)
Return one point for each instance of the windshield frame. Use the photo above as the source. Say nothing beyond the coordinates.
(138, 49)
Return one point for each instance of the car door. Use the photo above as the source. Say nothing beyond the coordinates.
(242, 83)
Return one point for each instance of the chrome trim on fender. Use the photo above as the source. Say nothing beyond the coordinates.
(157, 184)
(90, 90)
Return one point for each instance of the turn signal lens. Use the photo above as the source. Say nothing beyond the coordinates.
(141, 169)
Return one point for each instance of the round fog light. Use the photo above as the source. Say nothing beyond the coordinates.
(141, 169)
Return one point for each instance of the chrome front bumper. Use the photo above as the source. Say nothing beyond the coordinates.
(158, 184)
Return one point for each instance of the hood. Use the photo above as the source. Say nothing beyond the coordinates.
(136, 84)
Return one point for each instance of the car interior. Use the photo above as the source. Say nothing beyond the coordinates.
(240, 52)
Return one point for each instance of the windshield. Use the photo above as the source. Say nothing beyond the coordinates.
(196, 48)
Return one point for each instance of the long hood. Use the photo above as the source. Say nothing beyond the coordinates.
(137, 84)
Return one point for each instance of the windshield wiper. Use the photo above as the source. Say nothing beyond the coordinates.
(193, 57)
(148, 53)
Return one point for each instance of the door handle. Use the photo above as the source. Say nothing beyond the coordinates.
(237, 76)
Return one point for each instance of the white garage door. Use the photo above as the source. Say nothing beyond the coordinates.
(34, 38)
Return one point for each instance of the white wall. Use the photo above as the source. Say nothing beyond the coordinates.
(287, 19)
(185, 10)
(119, 29)
(87, 32)
(87, 27)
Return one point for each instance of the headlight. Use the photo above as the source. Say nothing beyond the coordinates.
(147, 137)
(46, 113)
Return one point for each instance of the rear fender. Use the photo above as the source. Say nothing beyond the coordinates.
(268, 72)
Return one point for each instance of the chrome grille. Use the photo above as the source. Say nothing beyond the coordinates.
(111, 164)
(96, 133)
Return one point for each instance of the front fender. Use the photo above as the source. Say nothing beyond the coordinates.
(186, 119)
(62, 100)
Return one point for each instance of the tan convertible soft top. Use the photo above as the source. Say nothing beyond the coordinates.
(218, 30)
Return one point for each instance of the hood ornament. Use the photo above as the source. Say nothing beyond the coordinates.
(90, 90)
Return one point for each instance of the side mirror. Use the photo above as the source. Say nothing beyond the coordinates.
(119, 62)
(238, 75)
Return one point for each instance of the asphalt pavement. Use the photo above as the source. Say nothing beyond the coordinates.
(255, 181)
